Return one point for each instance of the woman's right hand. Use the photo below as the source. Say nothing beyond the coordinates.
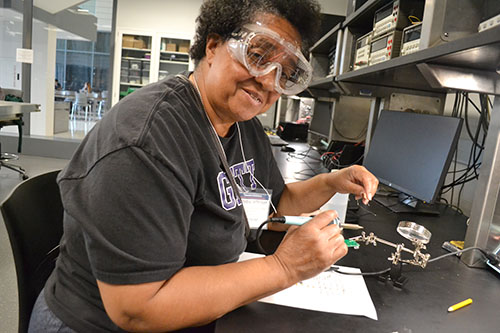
(311, 248)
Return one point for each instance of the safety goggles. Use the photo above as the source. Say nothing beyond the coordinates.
(262, 50)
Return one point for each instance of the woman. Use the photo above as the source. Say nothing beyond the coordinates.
(153, 223)
(86, 88)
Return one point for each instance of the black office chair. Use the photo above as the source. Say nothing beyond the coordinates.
(33, 215)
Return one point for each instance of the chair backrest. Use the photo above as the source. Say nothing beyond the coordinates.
(67, 93)
(81, 98)
(33, 216)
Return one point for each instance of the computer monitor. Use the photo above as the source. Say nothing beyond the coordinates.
(321, 120)
(411, 153)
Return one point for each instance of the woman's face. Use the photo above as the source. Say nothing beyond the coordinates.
(231, 92)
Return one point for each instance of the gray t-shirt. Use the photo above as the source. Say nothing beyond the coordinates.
(145, 194)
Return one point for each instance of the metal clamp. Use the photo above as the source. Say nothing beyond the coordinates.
(417, 234)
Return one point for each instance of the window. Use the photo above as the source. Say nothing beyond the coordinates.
(78, 62)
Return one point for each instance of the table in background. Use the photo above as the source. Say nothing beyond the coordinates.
(94, 100)
(421, 306)
(11, 113)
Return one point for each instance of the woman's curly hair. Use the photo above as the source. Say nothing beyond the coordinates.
(222, 17)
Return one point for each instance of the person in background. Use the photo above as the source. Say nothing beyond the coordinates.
(153, 222)
(57, 85)
(86, 88)
(2, 95)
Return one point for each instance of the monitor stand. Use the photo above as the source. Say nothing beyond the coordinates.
(406, 204)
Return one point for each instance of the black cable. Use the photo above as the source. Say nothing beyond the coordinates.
(473, 165)
(494, 258)
(456, 112)
(257, 237)
(455, 103)
(300, 155)
(306, 172)
(336, 270)
(337, 165)
(457, 252)
(485, 111)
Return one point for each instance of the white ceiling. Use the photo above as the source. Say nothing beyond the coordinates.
(55, 6)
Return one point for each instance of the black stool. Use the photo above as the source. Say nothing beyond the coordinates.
(6, 157)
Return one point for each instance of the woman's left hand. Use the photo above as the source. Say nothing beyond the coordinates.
(356, 180)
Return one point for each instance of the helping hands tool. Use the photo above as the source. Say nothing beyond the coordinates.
(417, 234)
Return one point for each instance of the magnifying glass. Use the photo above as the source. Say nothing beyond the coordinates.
(414, 232)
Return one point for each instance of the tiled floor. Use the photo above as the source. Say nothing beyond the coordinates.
(8, 286)
(77, 129)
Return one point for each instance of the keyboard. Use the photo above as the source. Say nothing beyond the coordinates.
(277, 141)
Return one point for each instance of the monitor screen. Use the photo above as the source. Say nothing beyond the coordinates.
(321, 119)
(412, 152)
(412, 34)
(383, 12)
(379, 44)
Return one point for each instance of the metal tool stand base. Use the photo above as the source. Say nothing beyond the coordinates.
(395, 275)
(4, 157)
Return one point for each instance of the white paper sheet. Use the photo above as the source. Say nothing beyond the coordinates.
(327, 292)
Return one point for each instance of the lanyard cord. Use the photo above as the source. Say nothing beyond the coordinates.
(220, 149)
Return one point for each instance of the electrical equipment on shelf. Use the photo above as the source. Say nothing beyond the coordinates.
(362, 52)
(385, 47)
(395, 15)
(490, 23)
(411, 39)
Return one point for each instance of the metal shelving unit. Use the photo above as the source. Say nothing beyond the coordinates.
(174, 56)
(136, 51)
(470, 63)
(364, 15)
(423, 70)
(321, 61)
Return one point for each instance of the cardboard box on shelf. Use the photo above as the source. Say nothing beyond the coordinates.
(128, 41)
(139, 44)
(184, 48)
(171, 47)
